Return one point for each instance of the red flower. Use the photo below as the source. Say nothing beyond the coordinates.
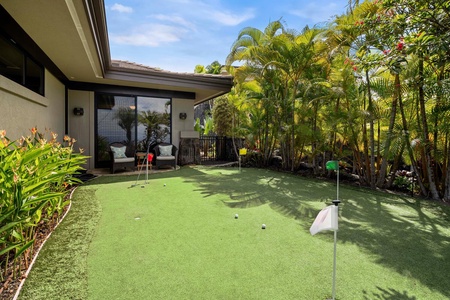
(400, 46)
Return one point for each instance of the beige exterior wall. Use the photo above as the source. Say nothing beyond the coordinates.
(82, 127)
(22, 109)
(178, 125)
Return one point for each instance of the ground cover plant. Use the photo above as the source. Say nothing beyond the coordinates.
(35, 176)
(178, 238)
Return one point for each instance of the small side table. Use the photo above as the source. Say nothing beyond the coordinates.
(141, 159)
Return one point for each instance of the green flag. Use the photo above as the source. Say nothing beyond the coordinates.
(332, 165)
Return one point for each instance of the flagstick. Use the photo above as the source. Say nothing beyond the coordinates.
(146, 171)
(335, 202)
(337, 189)
(334, 266)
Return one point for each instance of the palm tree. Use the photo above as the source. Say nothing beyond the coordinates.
(126, 117)
(257, 80)
(156, 126)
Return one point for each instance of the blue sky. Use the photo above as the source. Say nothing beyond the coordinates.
(177, 35)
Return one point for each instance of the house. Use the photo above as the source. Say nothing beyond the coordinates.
(56, 73)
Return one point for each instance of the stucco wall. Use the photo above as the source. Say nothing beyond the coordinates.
(178, 125)
(22, 109)
(82, 127)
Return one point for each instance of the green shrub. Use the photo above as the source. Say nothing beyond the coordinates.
(402, 183)
(35, 176)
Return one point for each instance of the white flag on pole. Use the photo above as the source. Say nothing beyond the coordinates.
(327, 219)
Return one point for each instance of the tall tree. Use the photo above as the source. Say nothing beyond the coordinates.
(126, 117)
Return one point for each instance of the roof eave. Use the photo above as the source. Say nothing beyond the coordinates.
(167, 78)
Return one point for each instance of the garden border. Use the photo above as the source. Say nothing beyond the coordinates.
(25, 276)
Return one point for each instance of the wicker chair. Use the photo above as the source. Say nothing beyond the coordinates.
(120, 158)
(165, 155)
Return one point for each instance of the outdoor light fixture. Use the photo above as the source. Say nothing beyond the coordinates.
(183, 116)
(78, 111)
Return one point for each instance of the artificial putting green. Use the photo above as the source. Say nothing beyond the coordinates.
(178, 238)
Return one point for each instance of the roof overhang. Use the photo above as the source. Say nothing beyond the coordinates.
(73, 36)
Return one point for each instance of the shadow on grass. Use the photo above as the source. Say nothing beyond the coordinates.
(405, 234)
(413, 244)
(388, 294)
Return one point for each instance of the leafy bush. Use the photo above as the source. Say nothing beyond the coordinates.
(403, 183)
(34, 178)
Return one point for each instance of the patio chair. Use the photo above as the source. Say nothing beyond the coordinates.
(120, 159)
(165, 155)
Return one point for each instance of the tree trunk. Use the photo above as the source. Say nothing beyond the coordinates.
(371, 133)
(397, 160)
(366, 170)
(408, 147)
(437, 116)
(447, 173)
(387, 144)
(425, 135)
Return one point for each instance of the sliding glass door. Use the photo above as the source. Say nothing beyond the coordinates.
(138, 122)
(153, 121)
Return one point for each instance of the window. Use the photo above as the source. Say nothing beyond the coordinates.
(16, 65)
(153, 121)
(138, 122)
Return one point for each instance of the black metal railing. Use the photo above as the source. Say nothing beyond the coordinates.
(218, 148)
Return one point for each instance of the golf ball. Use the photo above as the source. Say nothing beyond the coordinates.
(164, 184)
(236, 216)
(263, 226)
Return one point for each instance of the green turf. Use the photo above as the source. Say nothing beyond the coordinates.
(182, 241)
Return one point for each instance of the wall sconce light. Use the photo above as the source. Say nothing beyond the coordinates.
(78, 111)
(183, 116)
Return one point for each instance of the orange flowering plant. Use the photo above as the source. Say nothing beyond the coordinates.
(35, 174)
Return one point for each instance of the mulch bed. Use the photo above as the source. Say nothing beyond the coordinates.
(9, 286)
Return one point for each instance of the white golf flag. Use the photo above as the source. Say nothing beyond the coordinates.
(327, 219)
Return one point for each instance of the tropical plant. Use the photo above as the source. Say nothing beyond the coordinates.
(371, 89)
(156, 126)
(222, 113)
(207, 126)
(34, 178)
(126, 117)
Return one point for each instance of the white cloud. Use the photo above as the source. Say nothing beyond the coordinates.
(210, 10)
(176, 19)
(228, 18)
(122, 8)
(151, 35)
(317, 12)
